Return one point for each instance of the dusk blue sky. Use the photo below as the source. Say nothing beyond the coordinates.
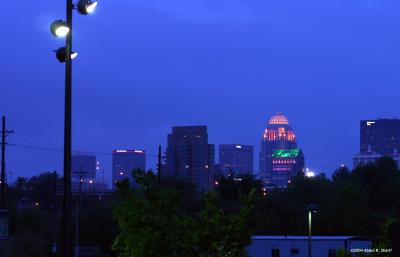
(147, 65)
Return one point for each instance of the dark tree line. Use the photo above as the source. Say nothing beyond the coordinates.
(172, 219)
(362, 202)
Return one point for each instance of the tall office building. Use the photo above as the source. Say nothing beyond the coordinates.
(236, 159)
(83, 166)
(278, 167)
(190, 156)
(381, 136)
(124, 162)
(378, 138)
(286, 164)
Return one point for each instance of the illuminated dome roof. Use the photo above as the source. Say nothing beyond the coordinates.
(278, 119)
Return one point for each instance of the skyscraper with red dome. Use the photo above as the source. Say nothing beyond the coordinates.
(280, 157)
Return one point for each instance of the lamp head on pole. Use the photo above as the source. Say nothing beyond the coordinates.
(86, 7)
(61, 54)
(312, 208)
(59, 28)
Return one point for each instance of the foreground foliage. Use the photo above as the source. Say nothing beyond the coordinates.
(153, 223)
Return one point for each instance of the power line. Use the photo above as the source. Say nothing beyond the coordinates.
(61, 150)
(42, 148)
(39, 153)
(335, 163)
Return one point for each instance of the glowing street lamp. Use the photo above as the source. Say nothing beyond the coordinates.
(61, 54)
(59, 28)
(86, 6)
(309, 173)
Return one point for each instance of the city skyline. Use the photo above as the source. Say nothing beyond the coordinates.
(152, 164)
(183, 64)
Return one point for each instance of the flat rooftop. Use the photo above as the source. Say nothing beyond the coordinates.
(313, 238)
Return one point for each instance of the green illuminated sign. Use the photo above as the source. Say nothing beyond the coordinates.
(292, 153)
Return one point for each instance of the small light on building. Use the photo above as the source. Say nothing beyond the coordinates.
(310, 174)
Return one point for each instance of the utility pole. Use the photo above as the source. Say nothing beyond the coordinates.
(4, 133)
(159, 164)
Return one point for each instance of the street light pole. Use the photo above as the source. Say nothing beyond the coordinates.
(60, 28)
(310, 208)
(67, 204)
(309, 233)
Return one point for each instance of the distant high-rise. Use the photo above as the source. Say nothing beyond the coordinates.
(380, 136)
(278, 167)
(124, 162)
(236, 159)
(83, 166)
(190, 156)
(285, 165)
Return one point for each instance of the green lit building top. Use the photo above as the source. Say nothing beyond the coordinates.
(286, 153)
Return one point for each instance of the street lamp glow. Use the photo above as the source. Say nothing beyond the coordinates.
(91, 7)
(310, 174)
(59, 28)
(86, 6)
(61, 54)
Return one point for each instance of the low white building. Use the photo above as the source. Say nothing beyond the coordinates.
(297, 246)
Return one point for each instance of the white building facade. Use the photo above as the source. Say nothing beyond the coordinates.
(297, 246)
